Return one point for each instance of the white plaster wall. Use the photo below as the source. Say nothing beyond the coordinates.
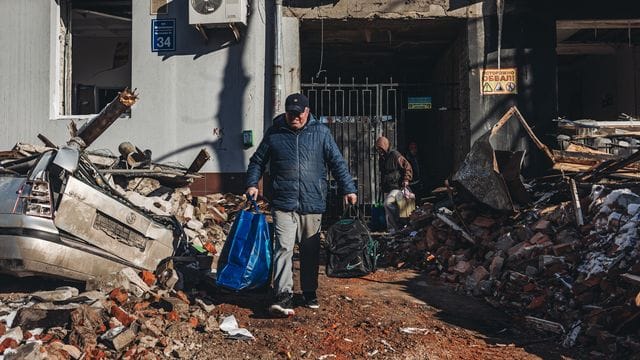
(201, 95)
(291, 56)
(27, 44)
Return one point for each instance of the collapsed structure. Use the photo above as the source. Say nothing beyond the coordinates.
(563, 258)
(73, 213)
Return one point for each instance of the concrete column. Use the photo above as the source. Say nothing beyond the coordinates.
(291, 50)
(528, 43)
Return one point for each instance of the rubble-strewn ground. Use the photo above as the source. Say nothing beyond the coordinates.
(359, 318)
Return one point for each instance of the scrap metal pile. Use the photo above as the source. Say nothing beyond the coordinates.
(560, 252)
(70, 212)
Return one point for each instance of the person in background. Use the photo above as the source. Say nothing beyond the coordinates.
(298, 150)
(396, 174)
(416, 184)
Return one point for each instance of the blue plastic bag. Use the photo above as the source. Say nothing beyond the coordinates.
(245, 261)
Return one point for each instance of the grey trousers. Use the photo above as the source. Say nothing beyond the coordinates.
(291, 227)
(391, 209)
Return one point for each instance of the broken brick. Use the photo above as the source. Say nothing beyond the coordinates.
(430, 238)
(141, 306)
(462, 267)
(479, 274)
(451, 277)
(210, 247)
(539, 239)
(122, 315)
(172, 316)
(496, 266)
(537, 302)
(114, 323)
(541, 225)
(8, 343)
(148, 277)
(483, 222)
(182, 296)
(193, 322)
(561, 249)
(118, 295)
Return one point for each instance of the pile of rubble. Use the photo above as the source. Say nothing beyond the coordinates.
(136, 319)
(106, 212)
(566, 262)
(130, 228)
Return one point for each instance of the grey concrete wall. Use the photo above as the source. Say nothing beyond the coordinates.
(28, 49)
(291, 69)
(201, 95)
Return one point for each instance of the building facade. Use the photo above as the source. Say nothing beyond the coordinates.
(410, 69)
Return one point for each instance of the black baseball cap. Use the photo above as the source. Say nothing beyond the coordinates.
(296, 103)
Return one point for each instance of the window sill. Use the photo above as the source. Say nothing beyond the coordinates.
(85, 117)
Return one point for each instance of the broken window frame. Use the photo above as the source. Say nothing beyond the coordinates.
(61, 106)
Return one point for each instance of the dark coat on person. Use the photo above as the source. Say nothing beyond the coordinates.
(298, 163)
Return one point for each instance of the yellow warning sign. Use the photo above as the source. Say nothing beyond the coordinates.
(499, 81)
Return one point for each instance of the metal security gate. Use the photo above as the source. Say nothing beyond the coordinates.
(357, 115)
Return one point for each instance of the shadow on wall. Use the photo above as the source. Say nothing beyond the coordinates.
(227, 123)
(230, 115)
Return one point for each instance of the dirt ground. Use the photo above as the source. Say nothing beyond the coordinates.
(362, 319)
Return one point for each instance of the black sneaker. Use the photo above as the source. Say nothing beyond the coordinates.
(283, 306)
(311, 300)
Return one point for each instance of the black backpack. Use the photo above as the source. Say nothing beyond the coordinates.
(351, 252)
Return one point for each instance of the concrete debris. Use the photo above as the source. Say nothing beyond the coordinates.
(59, 294)
(565, 260)
(138, 213)
(29, 351)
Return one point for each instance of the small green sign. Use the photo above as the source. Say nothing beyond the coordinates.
(420, 103)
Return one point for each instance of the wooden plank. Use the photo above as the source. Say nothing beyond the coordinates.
(597, 24)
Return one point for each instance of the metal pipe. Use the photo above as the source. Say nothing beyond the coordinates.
(199, 161)
(277, 60)
(98, 124)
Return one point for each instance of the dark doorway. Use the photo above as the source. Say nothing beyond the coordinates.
(408, 75)
(433, 136)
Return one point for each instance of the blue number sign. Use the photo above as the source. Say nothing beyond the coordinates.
(163, 35)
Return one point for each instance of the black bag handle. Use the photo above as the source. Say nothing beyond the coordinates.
(348, 211)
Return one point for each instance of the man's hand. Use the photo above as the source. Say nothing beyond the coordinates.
(351, 199)
(252, 192)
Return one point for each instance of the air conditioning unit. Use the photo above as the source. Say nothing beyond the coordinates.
(217, 12)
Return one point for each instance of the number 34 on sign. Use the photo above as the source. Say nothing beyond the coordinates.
(499, 81)
(163, 35)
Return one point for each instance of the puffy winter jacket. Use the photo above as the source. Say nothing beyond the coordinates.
(298, 166)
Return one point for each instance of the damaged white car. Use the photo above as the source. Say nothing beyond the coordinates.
(61, 216)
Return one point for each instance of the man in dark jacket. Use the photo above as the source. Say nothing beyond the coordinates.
(298, 149)
(396, 174)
